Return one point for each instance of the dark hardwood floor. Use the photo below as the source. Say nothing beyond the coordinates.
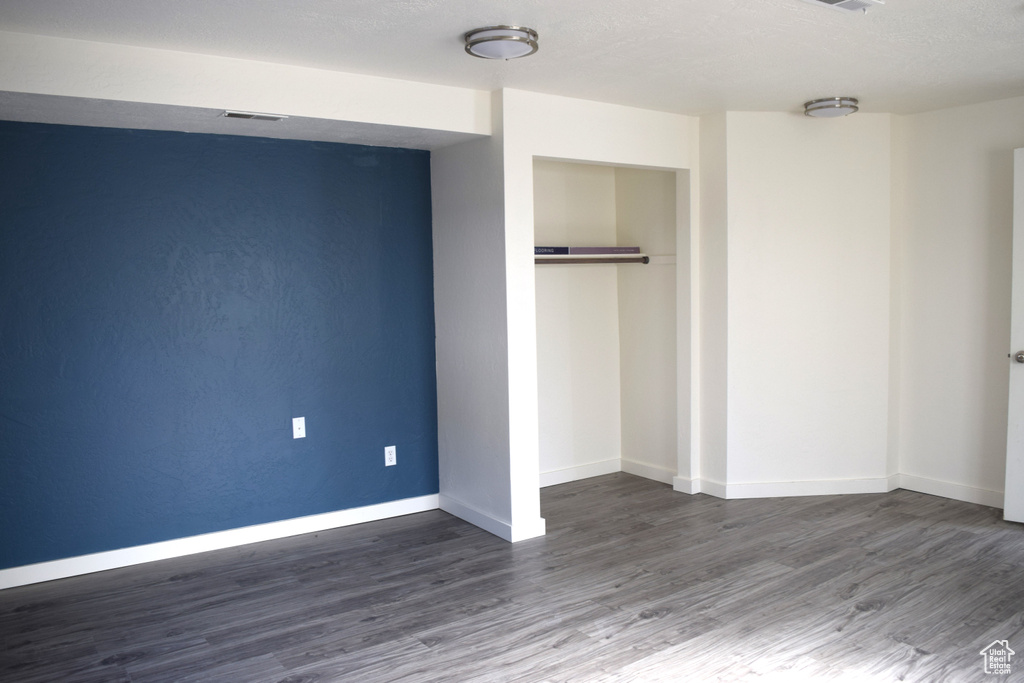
(633, 582)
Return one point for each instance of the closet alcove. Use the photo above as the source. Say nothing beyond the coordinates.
(606, 333)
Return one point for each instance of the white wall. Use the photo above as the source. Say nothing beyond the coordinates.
(43, 65)
(606, 335)
(807, 302)
(955, 270)
(645, 203)
(577, 324)
(898, 177)
(868, 343)
(712, 258)
(470, 327)
(537, 125)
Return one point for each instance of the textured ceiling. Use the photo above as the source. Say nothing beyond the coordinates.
(681, 56)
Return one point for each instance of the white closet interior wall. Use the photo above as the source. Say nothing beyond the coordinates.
(606, 334)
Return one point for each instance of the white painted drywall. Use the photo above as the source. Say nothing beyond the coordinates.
(577, 321)
(808, 298)
(596, 132)
(955, 267)
(470, 324)
(712, 338)
(44, 65)
(606, 334)
(547, 126)
(645, 206)
(897, 212)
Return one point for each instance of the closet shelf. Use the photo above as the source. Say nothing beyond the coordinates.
(611, 258)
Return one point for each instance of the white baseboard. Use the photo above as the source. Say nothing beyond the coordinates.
(512, 533)
(114, 559)
(945, 489)
(713, 488)
(782, 489)
(648, 471)
(179, 547)
(534, 529)
(596, 469)
(591, 469)
(684, 485)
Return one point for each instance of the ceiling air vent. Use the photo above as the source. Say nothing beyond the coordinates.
(848, 5)
(254, 116)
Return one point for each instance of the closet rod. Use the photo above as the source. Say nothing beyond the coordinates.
(594, 259)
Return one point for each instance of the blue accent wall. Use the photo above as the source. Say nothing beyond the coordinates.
(169, 302)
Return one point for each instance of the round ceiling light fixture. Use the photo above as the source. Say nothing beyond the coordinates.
(501, 42)
(831, 107)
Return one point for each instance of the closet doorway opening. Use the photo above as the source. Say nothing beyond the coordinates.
(612, 356)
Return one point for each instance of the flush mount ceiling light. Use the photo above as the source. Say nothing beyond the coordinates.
(831, 107)
(501, 42)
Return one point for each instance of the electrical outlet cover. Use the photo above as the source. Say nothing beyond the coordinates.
(390, 456)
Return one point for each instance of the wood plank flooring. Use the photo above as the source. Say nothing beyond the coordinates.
(633, 582)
